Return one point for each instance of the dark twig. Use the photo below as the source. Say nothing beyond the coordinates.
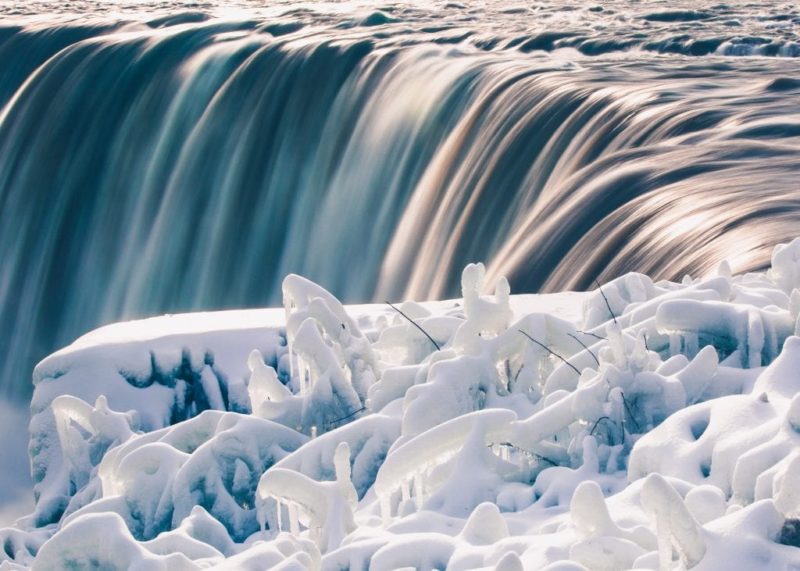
(608, 305)
(415, 324)
(630, 412)
(553, 353)
(516, 377)
(582, 344)
(595, 335)
(331, 423)
(596, 422)
(545, 458)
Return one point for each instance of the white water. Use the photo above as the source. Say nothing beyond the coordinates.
(161, 157)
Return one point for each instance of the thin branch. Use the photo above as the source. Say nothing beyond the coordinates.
(630, 412)
(518, 372)
(355, 412)
(596, 422)
(545, 458)
(553, 353)
(595, 335)
(415, 324)
(608, 305)
(582, 344)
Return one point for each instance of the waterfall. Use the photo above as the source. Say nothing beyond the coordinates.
(191, 162)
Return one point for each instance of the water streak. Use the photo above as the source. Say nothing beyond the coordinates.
(190, 162)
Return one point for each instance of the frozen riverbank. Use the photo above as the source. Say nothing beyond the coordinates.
(644, 425)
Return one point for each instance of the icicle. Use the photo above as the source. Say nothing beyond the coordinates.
(341, 463)
(755, 339)
(794, 305)
(590, 460)
(674, 345)
(691, 344)
(419, 489)
(294, 520)
(261, 514)
(305, 374)
(617, 344)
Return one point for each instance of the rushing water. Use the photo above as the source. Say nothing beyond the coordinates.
(190, 160)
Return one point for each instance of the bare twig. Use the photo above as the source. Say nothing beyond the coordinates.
(608, 420)
(595, 335)
(608, 305)
(596, 422)
(545, 458)
(355, 412)
(582, 344)
(553, 353)
(630, 412)
(518, 372)
(415, 324)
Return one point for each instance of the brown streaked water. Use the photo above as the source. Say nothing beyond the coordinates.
(189, 159)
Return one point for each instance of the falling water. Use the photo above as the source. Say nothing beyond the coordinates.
(190, 161)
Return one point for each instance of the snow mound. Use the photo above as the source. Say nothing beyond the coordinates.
(658, 429)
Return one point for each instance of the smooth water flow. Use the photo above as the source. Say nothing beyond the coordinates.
(191, 161)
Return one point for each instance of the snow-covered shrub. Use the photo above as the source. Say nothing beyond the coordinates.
(333, 360)
(323, 508)
(658, 430)
(213, 460)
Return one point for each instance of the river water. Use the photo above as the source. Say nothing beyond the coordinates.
(173, 156)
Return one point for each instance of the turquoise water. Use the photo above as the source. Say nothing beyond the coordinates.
(166, 157)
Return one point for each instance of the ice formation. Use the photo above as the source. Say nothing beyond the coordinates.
(659, 429)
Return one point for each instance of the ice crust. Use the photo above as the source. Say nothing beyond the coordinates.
(658, 429)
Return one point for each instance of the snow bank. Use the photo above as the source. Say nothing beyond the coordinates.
(656, 426)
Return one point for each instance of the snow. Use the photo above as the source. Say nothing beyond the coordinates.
(643, 425)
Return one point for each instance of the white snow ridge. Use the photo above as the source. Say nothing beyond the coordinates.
(658, 427)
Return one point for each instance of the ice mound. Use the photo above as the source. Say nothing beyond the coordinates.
(657, 429)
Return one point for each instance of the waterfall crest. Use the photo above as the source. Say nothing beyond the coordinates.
(191, 163)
